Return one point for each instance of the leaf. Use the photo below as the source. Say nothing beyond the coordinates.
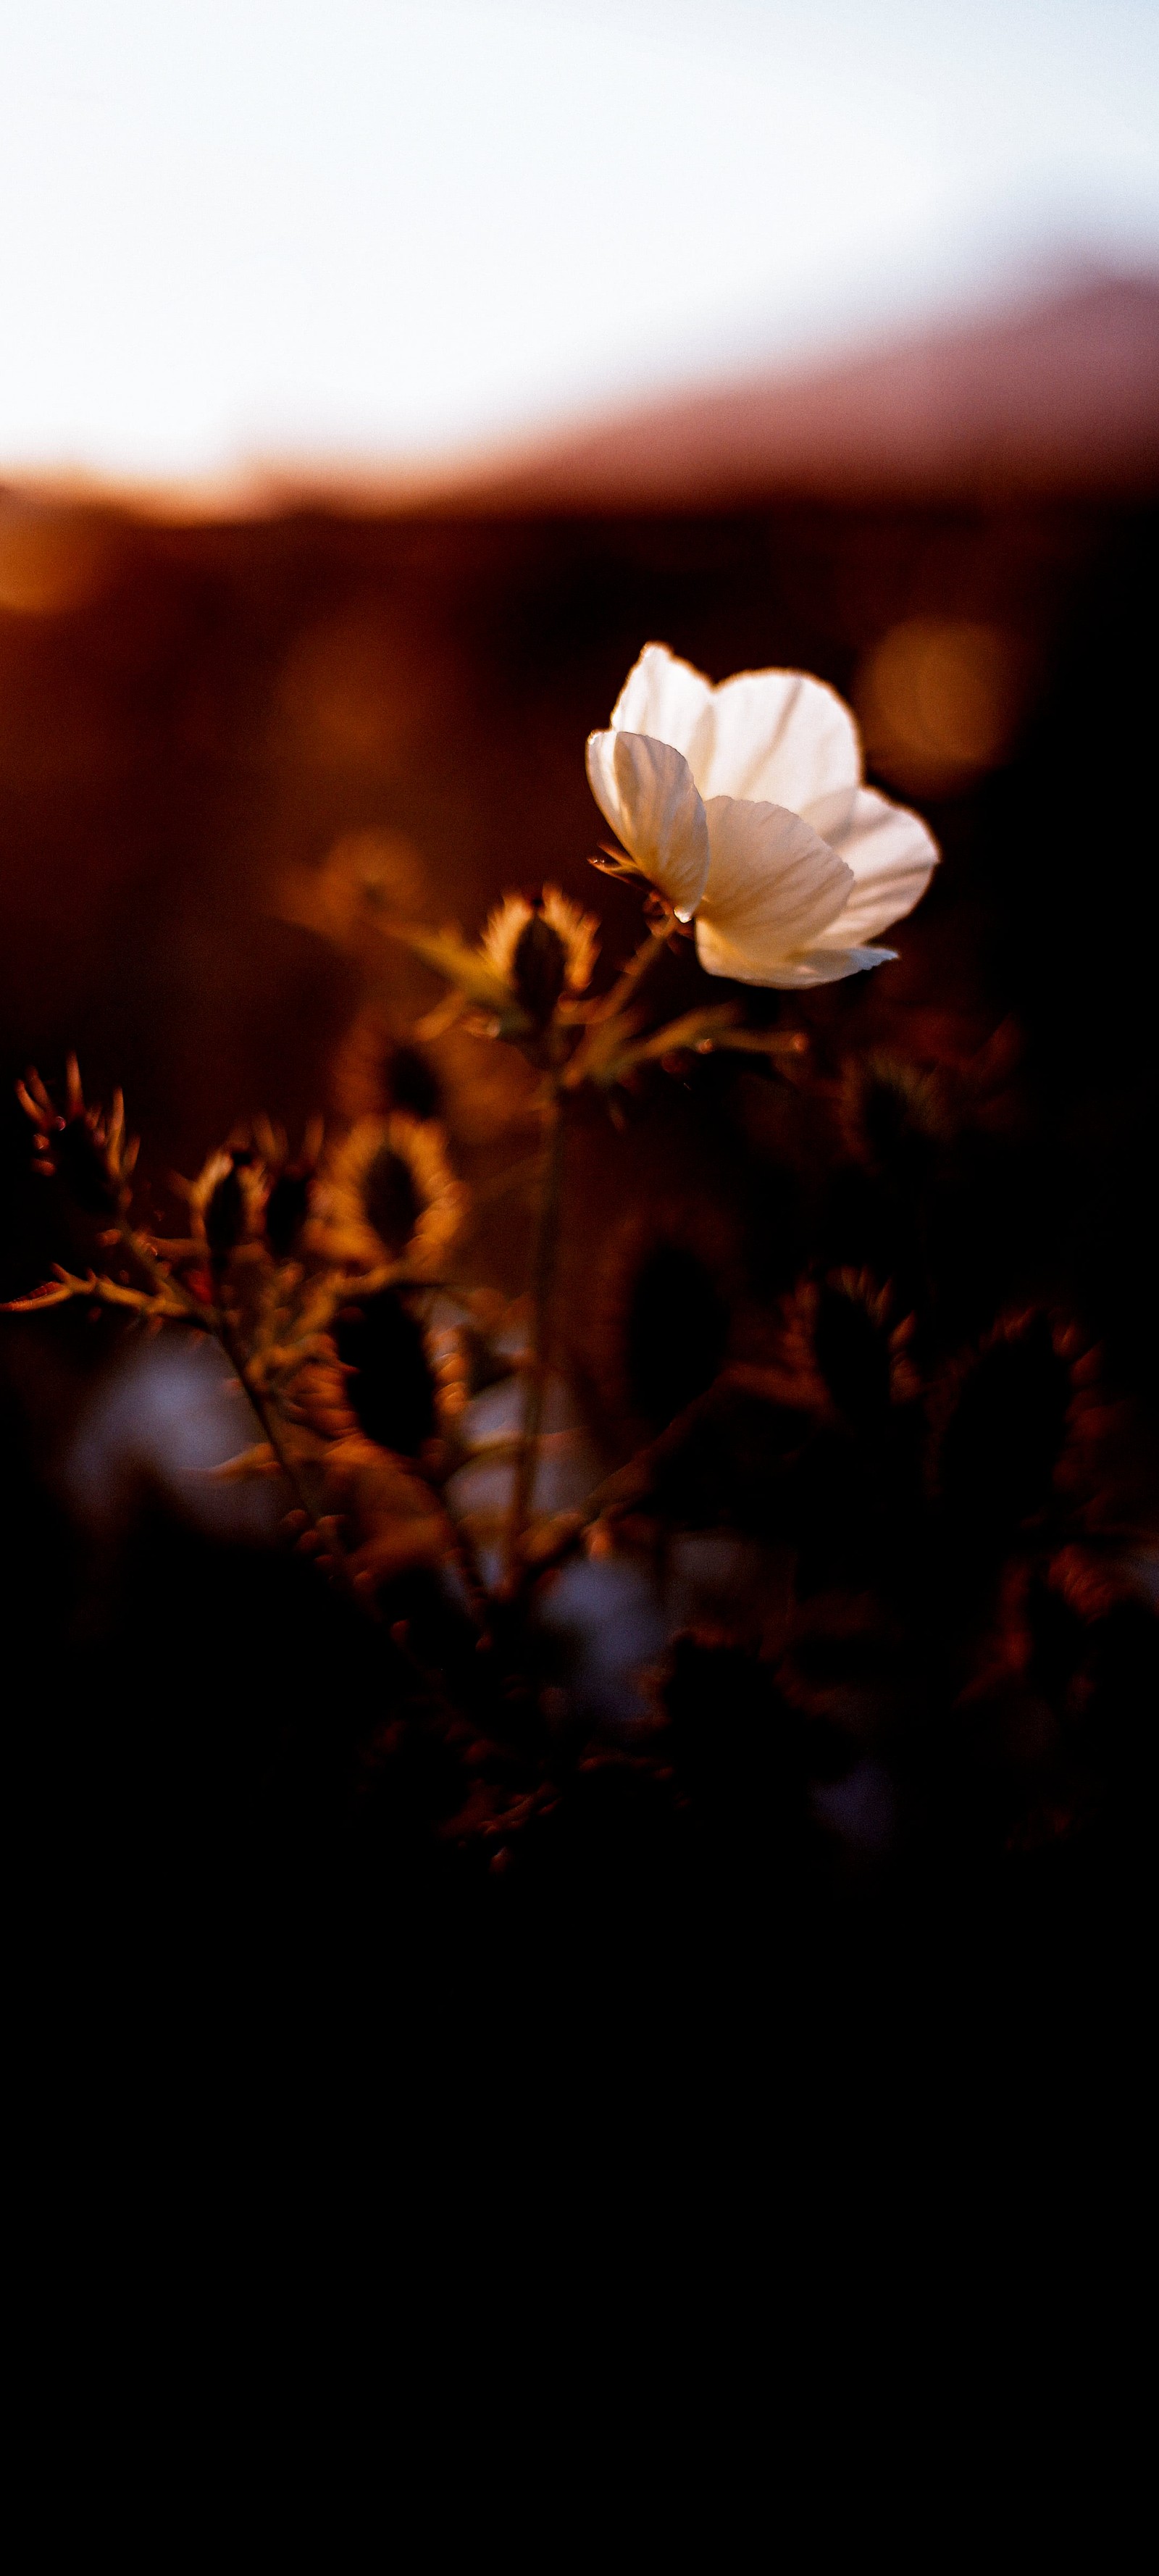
(466, 967)
(599, 1055)
(612, 1048)
(436, 1022)
(701, 1028)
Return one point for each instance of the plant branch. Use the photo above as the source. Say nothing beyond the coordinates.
(632, 974)
(543, 1273)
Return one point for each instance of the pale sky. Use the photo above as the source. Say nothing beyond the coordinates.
(372, 230)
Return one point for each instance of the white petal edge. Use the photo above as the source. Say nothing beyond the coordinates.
(818, 966)
(832, 965)
(777, 736)
(666, 698)
(645, 790)
(773, 888)
(892, 856)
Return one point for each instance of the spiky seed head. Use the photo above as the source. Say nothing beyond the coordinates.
(389, 1381)
(86, 1148)
(662, 1313)
(1004, 1424)
(893, 1113)
(226, 1199)
(851, 1340)
(543, 946)
(391, 1198)
(225, 1214)
(539, 968)
(83, 1165)
(412, 1084)
(287, 1209)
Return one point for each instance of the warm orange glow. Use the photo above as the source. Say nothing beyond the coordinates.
(49, 560)
(363, 874)
(939, 700)
(351, 690)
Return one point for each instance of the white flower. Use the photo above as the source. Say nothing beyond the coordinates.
(744, 805)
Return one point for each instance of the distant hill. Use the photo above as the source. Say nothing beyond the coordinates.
(1060, 395)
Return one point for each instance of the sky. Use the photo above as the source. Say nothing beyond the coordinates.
(243, 231)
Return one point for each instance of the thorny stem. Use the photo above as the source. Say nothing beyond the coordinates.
(460, 1550)
(265, 1413)
(629, 1484)
(162, 1279)
(214, 1320)
(546, 1235)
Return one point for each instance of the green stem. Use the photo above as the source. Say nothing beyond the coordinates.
(543, 1272)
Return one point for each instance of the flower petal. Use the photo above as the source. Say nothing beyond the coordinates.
(777, 736)
(645, 789)
(773, 887)
(666, 698)
(892, 856)
(829, 966)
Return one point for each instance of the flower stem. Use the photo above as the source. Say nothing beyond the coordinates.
(546, 1237)
(633, 973)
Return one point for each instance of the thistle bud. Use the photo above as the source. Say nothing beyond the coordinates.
(287, 1209)
(542, 946)
(413, 1085)
(82, 1163)
(225, 1214)
(852, 1344)
(86, 1148)
(389, 1384)
(539, 966)
(1005, 1427)
(662, 1313)
(390, 1199)
(894, 1116)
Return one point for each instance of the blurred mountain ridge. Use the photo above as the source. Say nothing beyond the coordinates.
(1056, 393)
(1059, 394)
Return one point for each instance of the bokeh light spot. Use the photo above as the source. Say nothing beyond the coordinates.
(939, 701)
(50, 560)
